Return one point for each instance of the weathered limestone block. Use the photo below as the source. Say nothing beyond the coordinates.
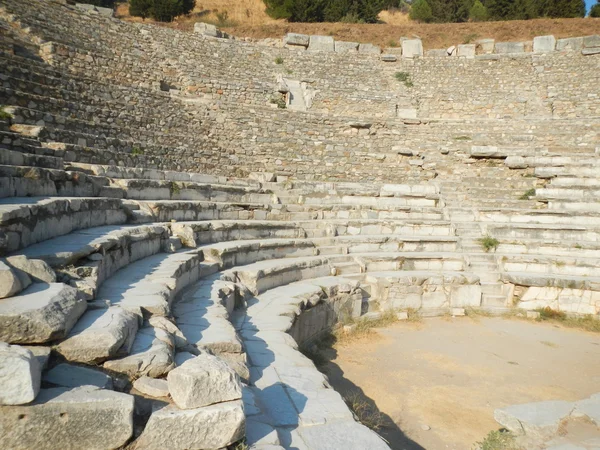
(465, 296)
(321, 44)
(388, 58)
(296, 39)
(20, 375)
(412, 48)
(369, 48)
(485, 46)
(544, 44)
(37, 269)
(509, 47)
(207, 29)
(214, 426)
(569, 44)
(100, 334)
(436, 53)
(10, 284)
(346, 47)
(62, 418)
(590, 51)
(68, 375)
(466, 50)
(152, 386)
(152, 354)
(165, 324)
(42, 313)
(203, 381)
(41, 353)
(592, 41)
(538, 421)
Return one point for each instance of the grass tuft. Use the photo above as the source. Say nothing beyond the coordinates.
(586, 322)
(528, 194)
(489, 243)
(279, 60)
(498, 440)
(368, 416)
(404, 77)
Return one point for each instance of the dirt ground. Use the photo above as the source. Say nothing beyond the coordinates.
(248, 19)
(450, 374)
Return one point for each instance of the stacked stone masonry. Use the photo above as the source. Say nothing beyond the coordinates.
(170, 238)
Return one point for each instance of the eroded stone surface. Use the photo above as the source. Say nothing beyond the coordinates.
(68, 375)
(20, 375)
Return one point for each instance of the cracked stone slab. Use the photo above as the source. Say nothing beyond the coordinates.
(537, 420)
(152, 386)
(213, 427)
(63, 418)
(152, 354)
(41, 313)
(69, 375)
(99, 335)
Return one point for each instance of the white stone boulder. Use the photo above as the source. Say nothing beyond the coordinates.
(62, 418)
(20, 375)
(37, 269)
(296, 39)
(154, 387)
(466, 50)
(203, 381)
(210, 427)
(544, 44)
(412, 48)
(9, 281)
(152, 354)
(207, 29)
(41, 313)
(100, 334)
(68, 375)
(321, 44)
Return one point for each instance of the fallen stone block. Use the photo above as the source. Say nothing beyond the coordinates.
(509, 47)
(61, 418)
(9, 281)
(68, 375)
(152, 386)
(152, 354)
(466, 50)
(41, 313)
(20, 375)
(296, 39)
(538, 421)
(346, 47)
(37, 269)
(591, 41)
(412, 48)
(485, 46)
(544, 44)
(99, 335)
(207, 29)
(569, 44)
(590, 51)
(210, 427)
(388, 58)
(203, 381)
(321, 44)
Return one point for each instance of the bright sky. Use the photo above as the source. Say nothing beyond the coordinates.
(589, 3)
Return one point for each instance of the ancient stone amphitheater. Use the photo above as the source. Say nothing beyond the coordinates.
(180, 213)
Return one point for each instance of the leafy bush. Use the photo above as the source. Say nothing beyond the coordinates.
(595, 11)
(421, 11)
(161, 10)
(478, 12)
(102, 3)
(489, 243)
(404, 77)
(279, 60)
(498, 440)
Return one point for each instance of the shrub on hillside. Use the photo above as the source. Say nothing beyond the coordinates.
(421, 11)
(102, 3)
(595, 11)
(161, 10)
(350, 11)
(478, 12)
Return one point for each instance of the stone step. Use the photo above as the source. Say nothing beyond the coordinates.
(10, 157)
(492, 288)
(346, 268)
(493, 301)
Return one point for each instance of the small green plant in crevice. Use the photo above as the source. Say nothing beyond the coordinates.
(366, 414)
(279, 60)
(279, 101)
(404, 77)
(489, 243)
(498, 440)
(578, 246)
(528, 194)
(241, 445)
(462, 138)
(392, 43)
(135, 151)
(174, 188)
(4, 115)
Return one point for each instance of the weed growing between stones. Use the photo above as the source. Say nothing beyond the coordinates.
(392, 43)
(370, 418)
(498, 440)
(137, 151)
(462, 138)
(4, 115)
(587, 322)
(489, 243)
(241, 445)
(470, 38)
(528, 194)
(174, 188)
(279, 60)
(279, 101)
(404, 77)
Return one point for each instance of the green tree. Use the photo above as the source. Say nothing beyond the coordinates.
(161, 10)
(478, 13)
(103, 3)
(141, 8)
(595, 10)
(562, 8)
(421, 11)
